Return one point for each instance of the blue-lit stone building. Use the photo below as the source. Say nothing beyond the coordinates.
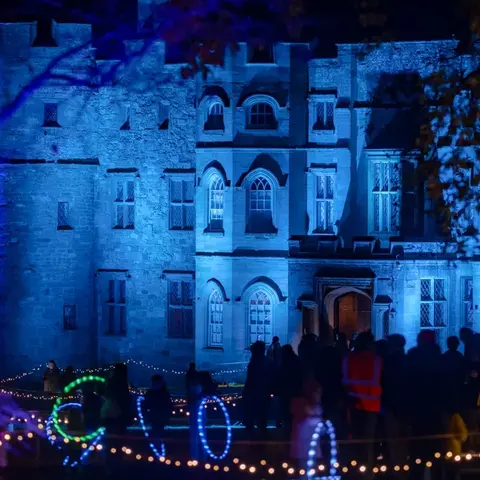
(164, 220)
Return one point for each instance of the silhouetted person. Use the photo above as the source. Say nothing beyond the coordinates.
(68, 376)
(91, 406)
(426, 390)
(274, 352)
(341, 345)
(467, 337)
(455, 368)
(117, 409)
(257, 390)
(158, 403)
(394, 397)
(194, 397)
(51, 377)
(289, 383)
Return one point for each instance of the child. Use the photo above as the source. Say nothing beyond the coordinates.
(159, 405)
(306, 413)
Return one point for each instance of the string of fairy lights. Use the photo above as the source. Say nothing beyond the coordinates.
(93, 371)
(330, 470)
(262, 467)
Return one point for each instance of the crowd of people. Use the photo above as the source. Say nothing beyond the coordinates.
(381, 399)
(374, 392)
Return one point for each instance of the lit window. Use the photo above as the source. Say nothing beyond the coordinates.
(260, 317)
(215, 319)
(50, 115)
(386, 196)
(433, 304)
(324, 119)
(215, 203)
(63, 212)
(69, 317)
(215, 117)
(467, 302)
(116, 321)
(182, 212)
(260, 215)
(124, 205)
(261, 116)
(324, 203)
(180, 308)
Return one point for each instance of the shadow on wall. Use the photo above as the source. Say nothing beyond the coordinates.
(392, 123)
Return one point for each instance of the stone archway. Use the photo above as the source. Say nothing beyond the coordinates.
(349, 309)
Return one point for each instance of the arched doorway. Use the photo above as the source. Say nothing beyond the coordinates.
(349, 310)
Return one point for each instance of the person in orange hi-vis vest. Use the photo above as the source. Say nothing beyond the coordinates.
(362, 374)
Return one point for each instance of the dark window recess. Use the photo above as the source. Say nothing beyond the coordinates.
(63, 222)
(180, 309)
(176, 52)
(44, 36)
(116, 321)
(126, 124)
(260, 53)
(215, 117)
(50, 115)
(325, 116)
(163, 116)
(69, 317)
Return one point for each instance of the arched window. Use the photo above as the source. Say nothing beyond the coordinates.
(215, 117)
(260, 214)
(261, 116)
(260, 317)
(215, 319)
(216, 190)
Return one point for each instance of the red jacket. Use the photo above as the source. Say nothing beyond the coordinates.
(362, 373)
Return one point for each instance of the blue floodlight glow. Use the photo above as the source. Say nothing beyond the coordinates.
(201, 427)
(163, 453)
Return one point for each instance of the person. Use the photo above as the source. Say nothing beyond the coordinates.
(68, 376)
(158, 403)
(470, 340)
(455, 368)
(289, 384)
(51, 377)
(426, 395)
(274, 352)
(395, 411)
(91, 406)
(257, 389)
(362, 374)
(116, 411)
(306, 414)
(193, 385)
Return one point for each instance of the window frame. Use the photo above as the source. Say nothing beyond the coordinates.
(182, 177)
(272, 181)
(329, 202)
(314, 101)
(120, 329)
(215, 178)
(384, 159)
(269, 296)
(313, 173)
(210, 343)
(50, 123)
(466, 302)
(432, 301)
(261, 126)
(68, 324)
(67, 225)
(210, 125)
(124, 203)
(323, 124)
(182, 278)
